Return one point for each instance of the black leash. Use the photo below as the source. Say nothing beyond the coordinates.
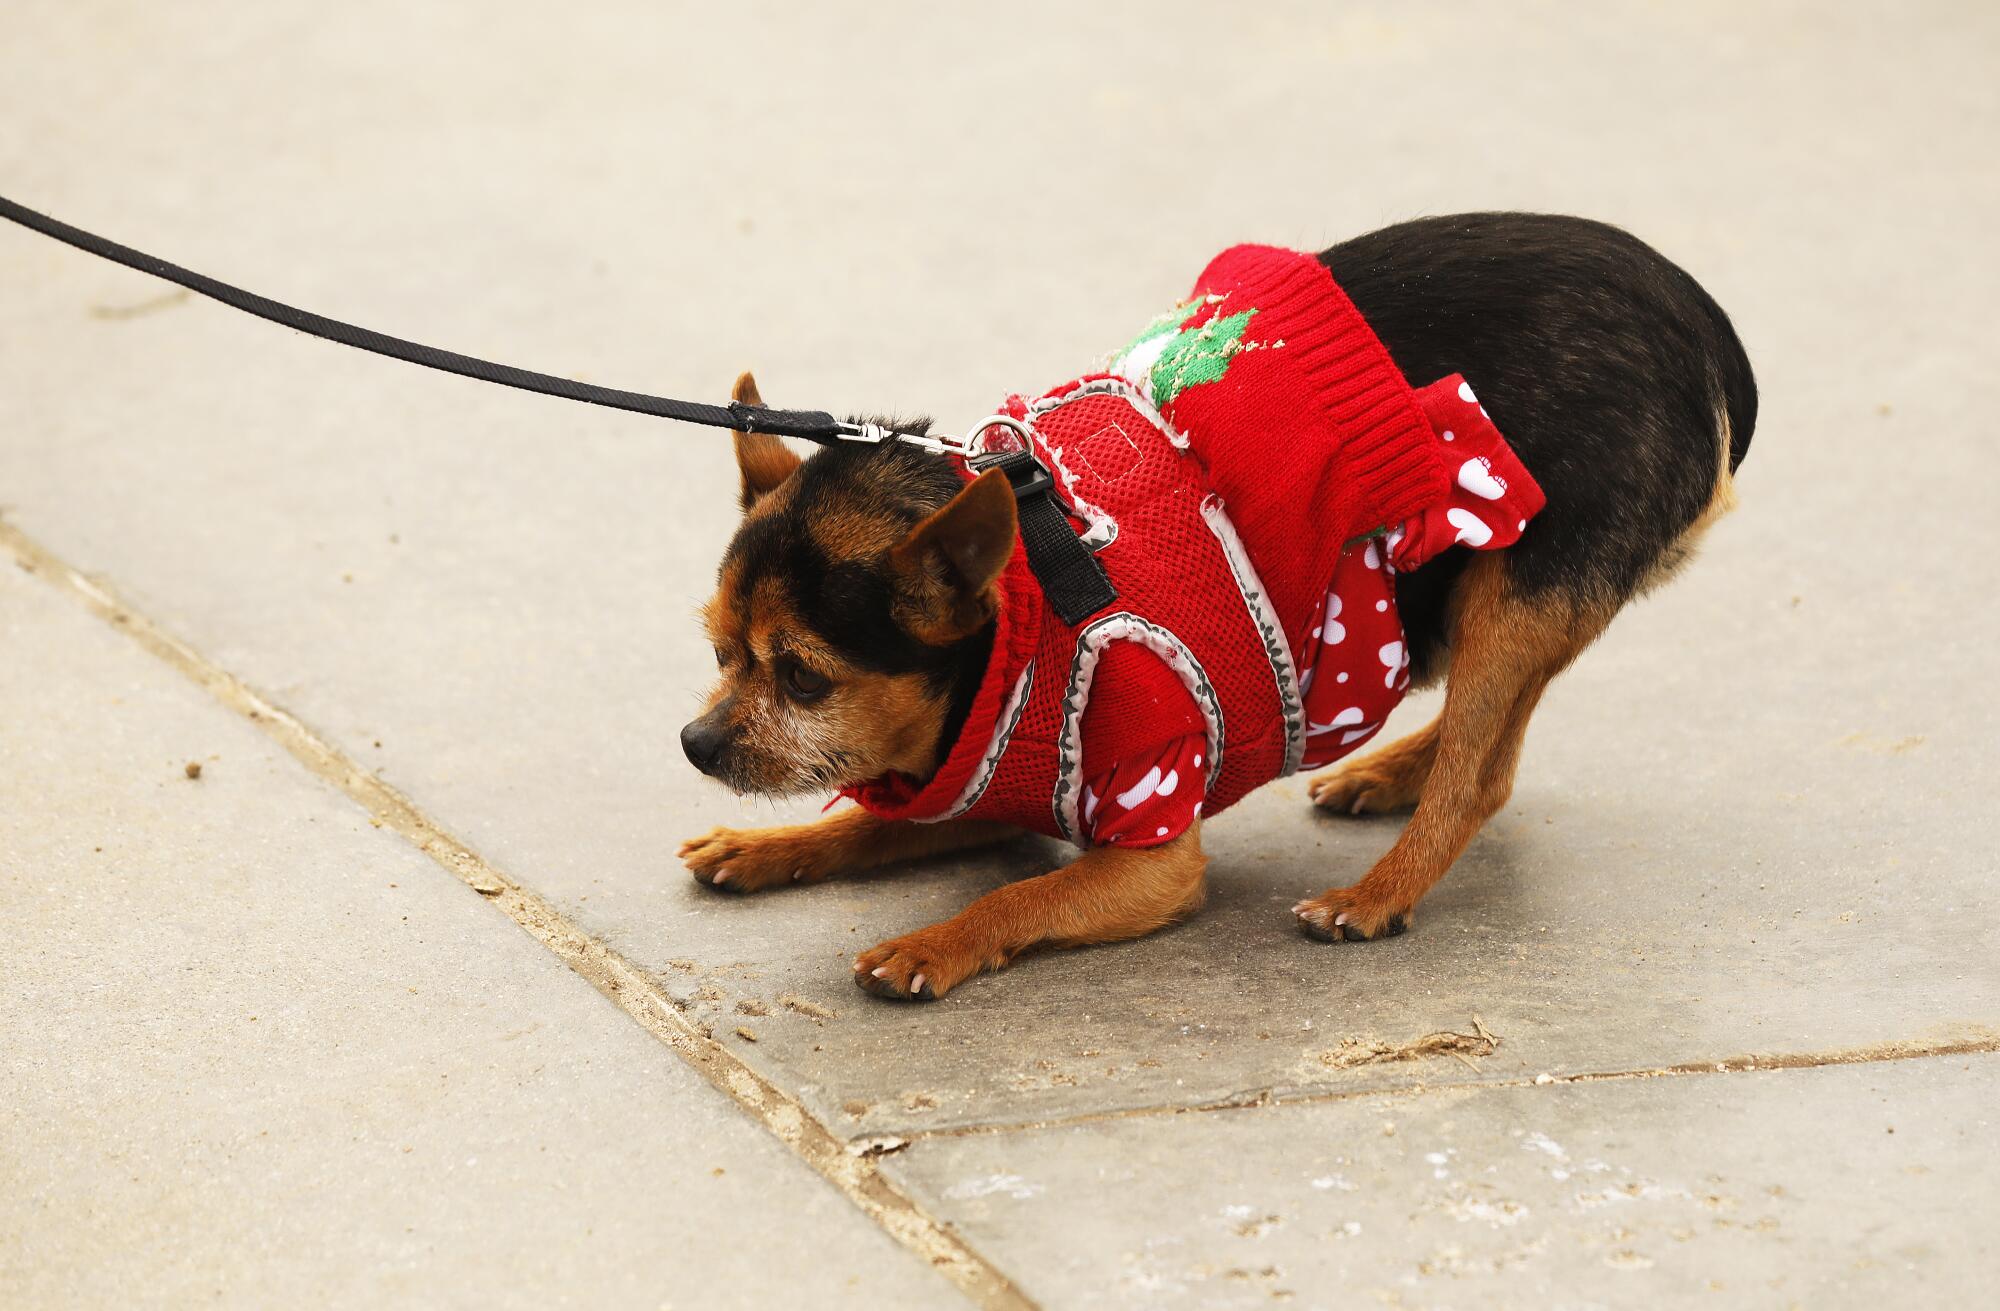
(812, 425)
(1071, 576)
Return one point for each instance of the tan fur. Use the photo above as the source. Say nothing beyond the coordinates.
(1505, 649)
(746, 860)
(1104, 895)
(764, 461)
(904, 713)
(845, 534)
(1721, 500)
(877, 723)
(1385, 780)
(953, 560)
(868, 724)
(1393, 777)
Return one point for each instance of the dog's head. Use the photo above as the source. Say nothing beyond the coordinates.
(852, 616)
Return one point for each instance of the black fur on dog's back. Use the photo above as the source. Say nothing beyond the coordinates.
(1607, 368)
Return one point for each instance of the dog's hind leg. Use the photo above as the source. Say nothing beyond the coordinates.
(1505, 649)
(1107, 894)
(1385, 780)
(745, 860)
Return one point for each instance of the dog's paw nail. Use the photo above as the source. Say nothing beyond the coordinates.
(1355, 809)
(1340, 919)
(720, 876)
(880, 971)
(798, 874)
(917, 983)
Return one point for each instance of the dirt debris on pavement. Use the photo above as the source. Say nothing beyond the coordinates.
(1368, 1051)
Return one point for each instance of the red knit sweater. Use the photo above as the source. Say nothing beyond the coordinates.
(1240, 444)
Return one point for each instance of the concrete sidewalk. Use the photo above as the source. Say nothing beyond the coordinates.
(1725, 976)
(260, 1051)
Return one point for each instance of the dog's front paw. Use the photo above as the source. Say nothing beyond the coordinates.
(920, 966)
(745, 860)
(1345, 914)
(1362, 787)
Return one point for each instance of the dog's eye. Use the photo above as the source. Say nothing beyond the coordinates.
(722, 657)
(803, 683)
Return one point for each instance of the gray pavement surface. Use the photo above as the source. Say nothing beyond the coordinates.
(259, 1052)
(1739, 1189)
(1753, 825)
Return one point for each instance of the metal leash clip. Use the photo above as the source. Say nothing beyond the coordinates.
(875, 434)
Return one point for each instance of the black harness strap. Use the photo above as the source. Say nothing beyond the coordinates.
(1072, 578)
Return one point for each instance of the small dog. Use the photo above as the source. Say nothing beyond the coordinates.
(857, 605)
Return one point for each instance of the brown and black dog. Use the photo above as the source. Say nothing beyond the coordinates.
(853, 615)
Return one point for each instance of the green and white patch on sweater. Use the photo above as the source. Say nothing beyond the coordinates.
(1166, 359)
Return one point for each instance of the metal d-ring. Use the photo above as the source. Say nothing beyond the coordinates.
(966, 443)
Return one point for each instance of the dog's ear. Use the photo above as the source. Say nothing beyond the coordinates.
(949, 564)
(764, 460)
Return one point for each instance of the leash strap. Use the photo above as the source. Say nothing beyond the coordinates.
(1072, 578)
(810, 425)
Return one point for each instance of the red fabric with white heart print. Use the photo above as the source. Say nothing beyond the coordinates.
(1251, 449)
(1353, 665)
(1356, 667)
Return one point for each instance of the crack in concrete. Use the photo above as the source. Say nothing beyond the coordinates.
(849, 1164)
(1977, 1040)
(626, 985)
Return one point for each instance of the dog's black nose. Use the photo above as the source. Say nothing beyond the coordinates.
(703, 740)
